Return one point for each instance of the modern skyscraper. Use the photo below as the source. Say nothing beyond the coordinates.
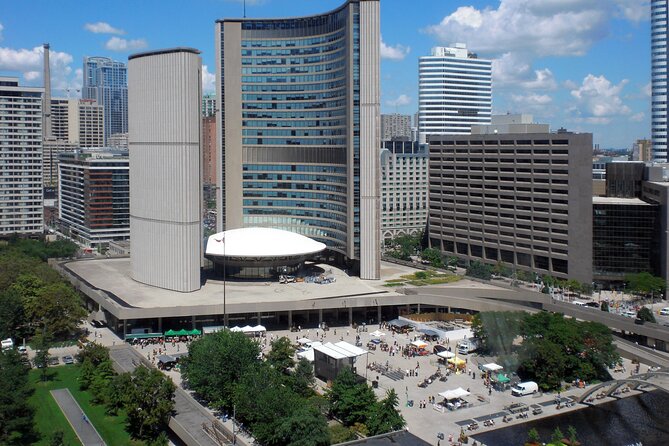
(395, 126)
(659, 19)
(298, 130)
(209, 150)
(93, 196)
(208, 105)
(20, 158)
(165, 94)
(454, 90)
(106, 81)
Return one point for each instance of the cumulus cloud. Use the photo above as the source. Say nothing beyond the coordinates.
(638, 117)
(539, 28)
(598, 100)
(397, 52)
(633, 10)
(102, 28)
(28, 62)
(121, 45)
(531, 100)
(208, 80)
(515, 70)
(399, 101)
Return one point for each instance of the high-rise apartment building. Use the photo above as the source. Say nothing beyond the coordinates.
(106, 81)
(298, 129)
(395, 126)
(21, 196)
(454, 91)
(521, 198)
(94, 196)
(165, 98)
(208, 105)
(404, 188)
(659, 20)
(209, 150)
(642, 150)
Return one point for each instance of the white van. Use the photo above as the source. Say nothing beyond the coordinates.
(579, 303)
(525, 388)
(664, 311)
(7, 343)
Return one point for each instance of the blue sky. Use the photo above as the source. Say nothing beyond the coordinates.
(579, 64)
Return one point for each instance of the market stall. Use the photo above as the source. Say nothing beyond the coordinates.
(456, 363)
(453, 399)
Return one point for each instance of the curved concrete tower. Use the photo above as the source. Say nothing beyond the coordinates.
(164, 94)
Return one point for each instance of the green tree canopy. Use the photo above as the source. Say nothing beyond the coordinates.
(149, 403)
(56, 307)
(645, 284)
(16, 414)
(303, 378)
(13, 322)
(350, 401)
(306, 426)
(384, 416)
(216, 362)
(433, 256)
(281, 354)
(646, 315)
(479, 270)
(497, 330)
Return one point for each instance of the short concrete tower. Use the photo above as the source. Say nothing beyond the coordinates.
(164, 141)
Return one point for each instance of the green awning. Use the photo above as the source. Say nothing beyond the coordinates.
(170, 333)
(182, 332)
(143, 336)
(195, 332)
(503, 378)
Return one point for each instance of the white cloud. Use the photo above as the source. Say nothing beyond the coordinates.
(208, 80)
(102, 28)
(121, 45)
(638, 117)
(514, 70)
(598, 100)
(397, 52)
(399, 101)
(634, 10)
(531, 100)
(535, 27)
(28, 62)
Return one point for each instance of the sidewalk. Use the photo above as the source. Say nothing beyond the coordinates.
(86, 432)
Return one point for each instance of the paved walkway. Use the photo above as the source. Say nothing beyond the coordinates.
(77, 419)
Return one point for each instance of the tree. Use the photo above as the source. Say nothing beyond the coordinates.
(116, 399)
(216, 362)
(57, 438)
(501, 269)
(94, 352)
(533, 436)
(384, 416)
(281, 354)
(646, 315)
(479, 270)
(103, 376)
(16, 413)
(433, 256)
(573, 437)
(557, 436)
(58, 307)
(12, 315)
(604, 306)
(149, 404)
(304, 427)
(349, 400)
(41, 343)
(645, 284)
(497, 330)
(303, 378)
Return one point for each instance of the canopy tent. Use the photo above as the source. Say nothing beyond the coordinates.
(236, 329)
(247, 329)
(453, 394)
(166, 359)
(195, 332)
(143, 336)
(182, 332)
(377, 334)
(446, 354)
(170, 333)
(501, 378)
(399, 323)
(419, 344)
(212, 329)
(456, 361)
(259, 329)
(303, 341)
(308, 354)
(428, 332)
(375, 341)
(491, 367)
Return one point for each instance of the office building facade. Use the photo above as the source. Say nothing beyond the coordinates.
(454, 92)
(208, 105)
(21, 140)
(165, 94)
(106, 81)
(94, 196)
(524, 199)
(395, 126)
(659, 20)
(404, 188)
(298, 130)
(209, 150)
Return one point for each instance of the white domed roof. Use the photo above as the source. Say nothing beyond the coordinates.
(261, 242)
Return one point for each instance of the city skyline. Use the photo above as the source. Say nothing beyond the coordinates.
(581, 65)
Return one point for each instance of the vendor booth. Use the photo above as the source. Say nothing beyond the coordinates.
(453, 399)
(330, 359)
(456, 363)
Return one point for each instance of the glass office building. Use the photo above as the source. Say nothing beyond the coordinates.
(659, 18)
(106, 81)
(299, 128)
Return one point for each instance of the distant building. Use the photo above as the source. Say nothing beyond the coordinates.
(93, 196)
(659, 10)
(165, 168)
(517, 123)
(404, 188)
(118, 141)
(521, 198)
(209, 150)
(455, 91)
(395, 126)
(642, 150)
(208, 105)
(106, 81)
(20, 158)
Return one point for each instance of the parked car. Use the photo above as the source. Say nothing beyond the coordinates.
(439, 348)
(664, 311)
(53, 360)
(22, 349)
(629, 313)
(68, 359)
(592, 304)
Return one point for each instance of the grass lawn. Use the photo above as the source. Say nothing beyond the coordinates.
(423, 278)
(49, 417)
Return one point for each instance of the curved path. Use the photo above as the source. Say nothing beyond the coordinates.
(86, 432)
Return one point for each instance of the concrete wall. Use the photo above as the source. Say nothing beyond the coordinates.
(165, 156)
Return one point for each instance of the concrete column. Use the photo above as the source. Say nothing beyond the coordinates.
(418, 308)
(320, 315)
(125, 327)
(193, 322)
(259, 318)
(160, 324)
(350, 315)
(225, 319)
(290, 319)
(378, 314)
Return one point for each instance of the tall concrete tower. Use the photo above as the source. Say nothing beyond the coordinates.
(46, 107)
(164, 100)
(660, 20)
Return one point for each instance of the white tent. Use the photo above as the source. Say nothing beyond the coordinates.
(453, 394)
(235, 328)
(419, 344)
(308, 354)
(259, 328)
(377, 334)
(446, 354)
(492, 367)
(303, 341)
(247, 329)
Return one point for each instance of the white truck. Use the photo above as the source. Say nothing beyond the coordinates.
(467, 346)
(7, 344)
(526, 388)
